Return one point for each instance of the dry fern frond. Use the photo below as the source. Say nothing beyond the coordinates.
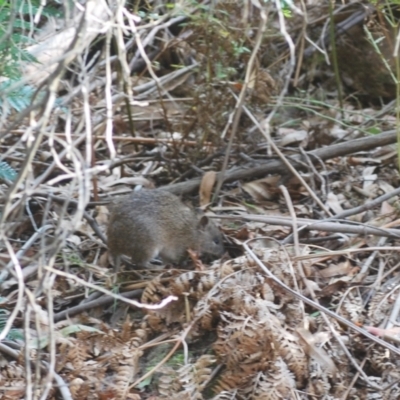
(14, 392)
(128, 367)
(352, 308)
(96, 343)
(278, 263)
(267, 292)
(382, 364)
(246, 280)
(184, 283)
(138, 337)
(174, 312)
(12, 380)
(178, 396)
(281, 378)
(12, 370)
(225, 395)
(79, 389)
(194, 377)
(168, 383)
(207, 282)
(291, 351)
(155, 321)
(276, 385)
(126, 362)
(244, 340)
(227, 268)
(379, 308)
(77, 355)
(155, 291)
(203, 311)
(125, 375)
(293, 314)
(230, 381)
(126, 329)
(318, 383)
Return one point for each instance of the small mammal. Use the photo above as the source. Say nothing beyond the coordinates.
(151, 223)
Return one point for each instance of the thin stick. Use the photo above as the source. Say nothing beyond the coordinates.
(317, 306)
(240, 100)
(312, 224)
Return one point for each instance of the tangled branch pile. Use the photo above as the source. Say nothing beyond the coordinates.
(232, 103)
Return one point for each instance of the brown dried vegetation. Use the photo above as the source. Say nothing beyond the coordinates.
(291, 315)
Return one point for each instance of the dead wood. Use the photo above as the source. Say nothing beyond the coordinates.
(278, 167)
(103, 301)
(313, 224)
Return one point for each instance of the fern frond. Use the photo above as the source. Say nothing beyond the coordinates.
(7, 172)
(17, 97)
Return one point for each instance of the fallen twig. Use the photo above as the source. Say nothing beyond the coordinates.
(313, 224)
(277, 166)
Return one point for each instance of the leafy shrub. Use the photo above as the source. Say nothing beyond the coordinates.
(16, 26)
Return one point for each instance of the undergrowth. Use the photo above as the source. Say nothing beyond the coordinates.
(17, 27)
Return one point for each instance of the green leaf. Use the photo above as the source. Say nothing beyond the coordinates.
(41, 343)
(15, 96)
(14, 334)
(374, 130)
(68, 330)
(7, 172)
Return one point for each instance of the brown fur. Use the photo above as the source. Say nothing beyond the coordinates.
(150, 223)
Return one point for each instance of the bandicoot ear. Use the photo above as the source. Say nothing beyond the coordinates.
(203, 222)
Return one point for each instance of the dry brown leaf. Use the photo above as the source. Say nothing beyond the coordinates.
(386, 188)
(129, 181)
(333, 203)
(333, 288)
(386, 208)
(49, 51)
(317, 353)
(242, 234)
(362, 160)
(194, 256)
(384, 220)
(369, 178)
(292, 136)
(253, 79)
(102, 215)
(263, 189)
(103, 261)
(206, 186)
(261, 85)
(343, 268)
(311, 285)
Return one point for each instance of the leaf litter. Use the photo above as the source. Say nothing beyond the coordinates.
(228, 329)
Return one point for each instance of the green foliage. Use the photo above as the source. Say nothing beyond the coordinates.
(13, 38)
(218, 41)
(14, 334)
(287, 11)
(387, 2)
(7, 172)
(40, 343)
(44, 340)
(16, 29)
(17, 97)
